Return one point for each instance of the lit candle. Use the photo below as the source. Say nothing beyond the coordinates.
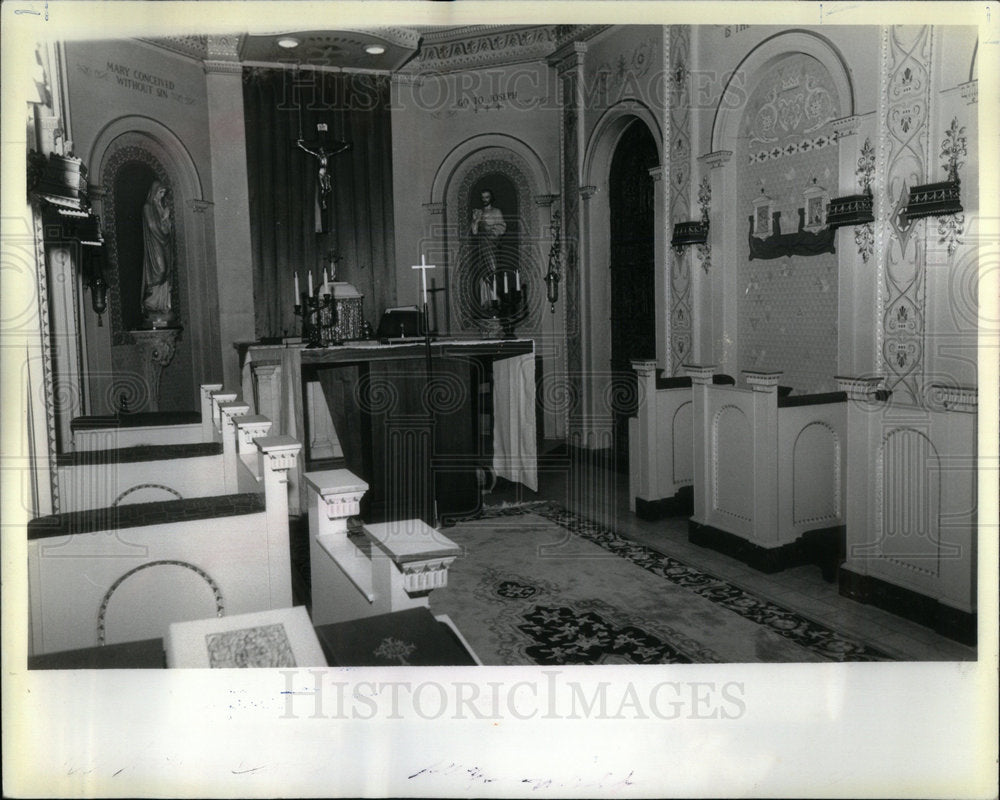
(310, 273)
(517, 279)
(494, 287)
(505, 283)
(326, 279)
(297, 295)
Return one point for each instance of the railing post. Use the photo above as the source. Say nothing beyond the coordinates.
(701, 380)
(228, 412)
(278, 454)
(765, 454)
(644, 478)
(207, 427)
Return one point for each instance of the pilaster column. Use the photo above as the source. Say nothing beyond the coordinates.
(233, 256)
(701, 436)
(715, 294)
(661, 284)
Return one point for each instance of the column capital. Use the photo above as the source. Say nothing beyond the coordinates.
(339, 491)
(644, 369)
(434, 208)
(568, 57)
(545, 200)
(862, 388)
(954, 398)
(717, 159)
(249, 428)
(214, 67)
(700, 374)
(279, 452)
(657, 173)
(846, 126)
(761, 381)
(586, 192)
(200, 206)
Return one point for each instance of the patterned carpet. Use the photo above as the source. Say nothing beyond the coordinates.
(538, 584)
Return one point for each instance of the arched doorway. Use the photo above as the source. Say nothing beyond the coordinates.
(633, 327)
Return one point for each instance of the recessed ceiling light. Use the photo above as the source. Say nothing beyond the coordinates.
(288, 42)
(374, 49)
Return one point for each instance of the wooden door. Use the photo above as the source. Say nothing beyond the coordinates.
(633, 333)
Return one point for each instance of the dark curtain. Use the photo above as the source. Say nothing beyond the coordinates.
(278, 104)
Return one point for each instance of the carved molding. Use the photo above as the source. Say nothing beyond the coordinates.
(545, 200)
(190, 46)
(717, 159)
(586, 192)
(859, 388)
(435, 208)
(954, 398)
(762, 381)
(490, 46)
(700, 374)
(223, 67)
(846, 126)
(644, 369)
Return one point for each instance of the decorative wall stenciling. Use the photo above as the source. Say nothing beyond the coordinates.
(864, 235)
(797, 97)
(680, 190)
(787, 301)
(705, 204)
(571, 219)
(954, 150)
(791, 149)
(902, 159)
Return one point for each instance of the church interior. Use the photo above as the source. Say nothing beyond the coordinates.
(501, 344)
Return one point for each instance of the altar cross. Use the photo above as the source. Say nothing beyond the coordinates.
(423, 266)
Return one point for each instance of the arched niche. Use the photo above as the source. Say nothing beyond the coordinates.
(517, 176)
(733, 283)
(126, 156)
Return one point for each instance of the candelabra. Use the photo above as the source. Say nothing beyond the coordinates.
(511, 308)
(312, 309)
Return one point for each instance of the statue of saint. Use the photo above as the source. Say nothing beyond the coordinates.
(158, 257)
(487, 227)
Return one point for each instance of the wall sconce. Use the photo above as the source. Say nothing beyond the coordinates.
(853, 209)
(941, 199)
(689, 233)
(555, 254)
(934, 200)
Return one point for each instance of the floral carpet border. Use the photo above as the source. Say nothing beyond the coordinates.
(805, 632)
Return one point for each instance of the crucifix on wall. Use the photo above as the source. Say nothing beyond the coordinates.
(322, 148)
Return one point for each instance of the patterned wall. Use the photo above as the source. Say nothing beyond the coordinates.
(680, 195)
(787, 306)
(902, 162)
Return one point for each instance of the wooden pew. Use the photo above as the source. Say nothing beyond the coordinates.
(661, 446)
(123, 571)
(768, 472)
(912, 505)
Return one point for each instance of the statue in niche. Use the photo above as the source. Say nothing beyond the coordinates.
(488, 226)
(158, 258)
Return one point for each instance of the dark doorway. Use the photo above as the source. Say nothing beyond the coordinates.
(633, 332)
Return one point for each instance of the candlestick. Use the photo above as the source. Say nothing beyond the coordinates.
(310, 283)
(326, 279)
(297, 295)
(423, 276)
(505, 291)
(517, 279)
(494, 288)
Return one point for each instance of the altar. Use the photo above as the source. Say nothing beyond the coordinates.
(423, 424)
